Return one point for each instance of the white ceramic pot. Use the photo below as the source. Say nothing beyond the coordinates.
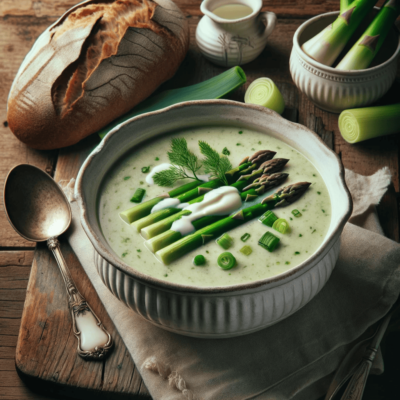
(233, 42)
(212, 312)
(335, 90)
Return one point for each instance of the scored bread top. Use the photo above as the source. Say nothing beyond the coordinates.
(98, 61)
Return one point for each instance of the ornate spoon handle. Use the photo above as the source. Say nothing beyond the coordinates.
(94, 342)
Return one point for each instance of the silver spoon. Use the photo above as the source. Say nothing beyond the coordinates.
(39, 211)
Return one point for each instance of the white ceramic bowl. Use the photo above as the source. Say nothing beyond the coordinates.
(334, 90)
(212, 312)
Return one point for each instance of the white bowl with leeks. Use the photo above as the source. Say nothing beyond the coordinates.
(213, 310)
(336, 90)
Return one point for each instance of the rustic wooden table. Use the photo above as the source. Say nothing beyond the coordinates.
(20, 24)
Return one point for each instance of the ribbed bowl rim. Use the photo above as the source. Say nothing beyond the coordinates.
(333, 71)
(158, 283)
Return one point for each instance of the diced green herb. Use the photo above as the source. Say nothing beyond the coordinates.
(297, 213)
(246, 250)
(319, 192)
(281, 225)
(226, 152)
(300, 235)
(199, 260)
(213, 163)
(126, 178)
(139, 251)
(124, 254)
(268, 218)
(314, 231)
(269, 241)
(237, 144)
(156, 159)
(240, 132)
(245, 237)
(138, 195)
(323, 211)
(287, 262)
(145, 169)
(226, 260)
(297, 253)
(225, 241)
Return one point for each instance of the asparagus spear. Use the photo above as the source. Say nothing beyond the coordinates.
(326, 46)
(364, 51)
(268, 167)
(282, 197)
(184, 193)
(196, 195)
(170, 236)
(154, 224)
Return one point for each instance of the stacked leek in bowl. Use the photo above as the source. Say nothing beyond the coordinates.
(331, 47)
(327, 45)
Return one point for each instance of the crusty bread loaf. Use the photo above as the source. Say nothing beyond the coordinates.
(97, 62)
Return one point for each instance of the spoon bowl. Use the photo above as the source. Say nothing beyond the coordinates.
(36, 207)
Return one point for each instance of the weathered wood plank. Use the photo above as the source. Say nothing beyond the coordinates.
(18, 35)
(287, 9)
(46, 351)
(7, 365)
(9, 326)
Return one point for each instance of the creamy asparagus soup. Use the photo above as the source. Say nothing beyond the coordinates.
(216, 239)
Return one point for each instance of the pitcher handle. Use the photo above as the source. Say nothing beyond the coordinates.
(269, 20)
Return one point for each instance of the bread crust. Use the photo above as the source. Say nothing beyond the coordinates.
(93, 65)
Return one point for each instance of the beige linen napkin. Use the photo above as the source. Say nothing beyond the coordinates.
(294, 359)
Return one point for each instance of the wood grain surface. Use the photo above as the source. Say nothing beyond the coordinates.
(46, 346)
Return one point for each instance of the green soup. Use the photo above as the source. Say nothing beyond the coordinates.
(306, 232)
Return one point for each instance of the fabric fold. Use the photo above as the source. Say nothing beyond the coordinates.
(293, 359)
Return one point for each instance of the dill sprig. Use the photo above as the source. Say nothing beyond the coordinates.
(214, 164)
(182, 159)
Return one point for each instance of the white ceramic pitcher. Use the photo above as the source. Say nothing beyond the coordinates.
(229, 42)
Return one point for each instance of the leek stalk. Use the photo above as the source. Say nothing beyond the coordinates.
(326, 46)
(360, 124)
(264, 92)
(213, 88)
(344, 4)
(364, 51)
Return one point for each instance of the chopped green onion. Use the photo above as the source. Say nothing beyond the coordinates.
(245, 237)
(138, 195)
(281, 225)
(268, 218)
(246, 250)
(226, 260)
(297, 213)
(145, 169)
(126, 178)
(156, 159)
(199, 260)
(264, 92)
(225, 241)
(214, 88)
(269, 241)
(360, 124)
(226, 152)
